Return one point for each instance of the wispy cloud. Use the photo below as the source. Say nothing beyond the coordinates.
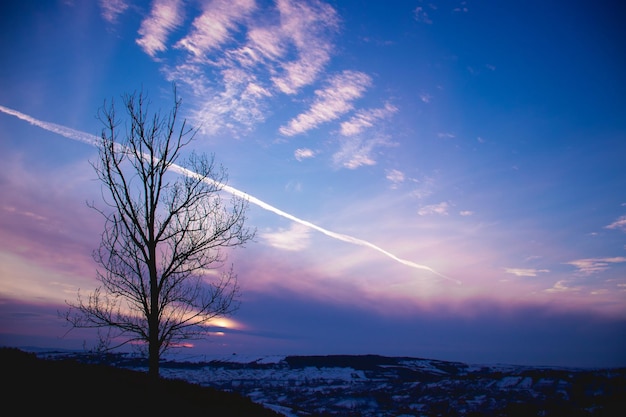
(112, 9)
(440, 209)
(296, 238)
(424, 187)
(356, 151)
(462, 8)
(525, 272)
(308, 26)
(240, 102)
(396, 177)
(34, 217)
(215, 25)
(466, 213)
(165, 17)
(365, 119)
(425, 97)
(236, 56)
(591, 266)
(235, 100)
(303, 153)
(421, 15)
(330, 103)
(562, 286)
(619, 224)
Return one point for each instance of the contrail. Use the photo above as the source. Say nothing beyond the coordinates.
(52, 127)
(93, 140)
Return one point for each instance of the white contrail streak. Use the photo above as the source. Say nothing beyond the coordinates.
(334, 235)
(93, 140)
(52, 127)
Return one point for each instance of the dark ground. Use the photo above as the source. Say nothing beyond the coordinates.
(34, 386)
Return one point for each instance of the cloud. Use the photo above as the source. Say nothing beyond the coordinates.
(264, 43)
(562, 286)
(440, 208)
(365, 119)
(111, 9)
(309, 27)
(466, 213)
(240, 101)
(236, 99)
(396, 177)
(445, 135)
(236, 56)
(306, 28)
(591, 266)
(293, 186)
(165, 17)
(330, 102)
(525, 272)
(619, 224)
(303, 153)
(462, 8)
(424, 187)
(214, 26)
(355, 152)
(294, 239)
(421, 16)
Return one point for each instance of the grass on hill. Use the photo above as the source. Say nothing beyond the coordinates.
(35, 386)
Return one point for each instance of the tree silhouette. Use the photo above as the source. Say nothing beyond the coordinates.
(162, 253)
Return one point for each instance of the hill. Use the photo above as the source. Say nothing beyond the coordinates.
(306, 386)
(34, 386)
(380, 386)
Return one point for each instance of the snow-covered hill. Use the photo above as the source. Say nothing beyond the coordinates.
(370, 385)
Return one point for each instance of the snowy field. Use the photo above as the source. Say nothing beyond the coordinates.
(369, 385)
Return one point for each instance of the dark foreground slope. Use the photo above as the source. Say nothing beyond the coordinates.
(34, 386)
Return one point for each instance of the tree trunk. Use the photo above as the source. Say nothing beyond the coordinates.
(153, 355)
(154, 347)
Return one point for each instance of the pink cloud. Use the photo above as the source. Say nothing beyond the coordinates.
(165, 17)
(330, 103)
(619, 224)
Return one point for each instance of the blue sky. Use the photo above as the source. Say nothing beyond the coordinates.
(427, 178)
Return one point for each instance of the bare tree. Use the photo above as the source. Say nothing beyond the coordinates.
(167, 226)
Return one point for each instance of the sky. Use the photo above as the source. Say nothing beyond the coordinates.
(442, 179)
